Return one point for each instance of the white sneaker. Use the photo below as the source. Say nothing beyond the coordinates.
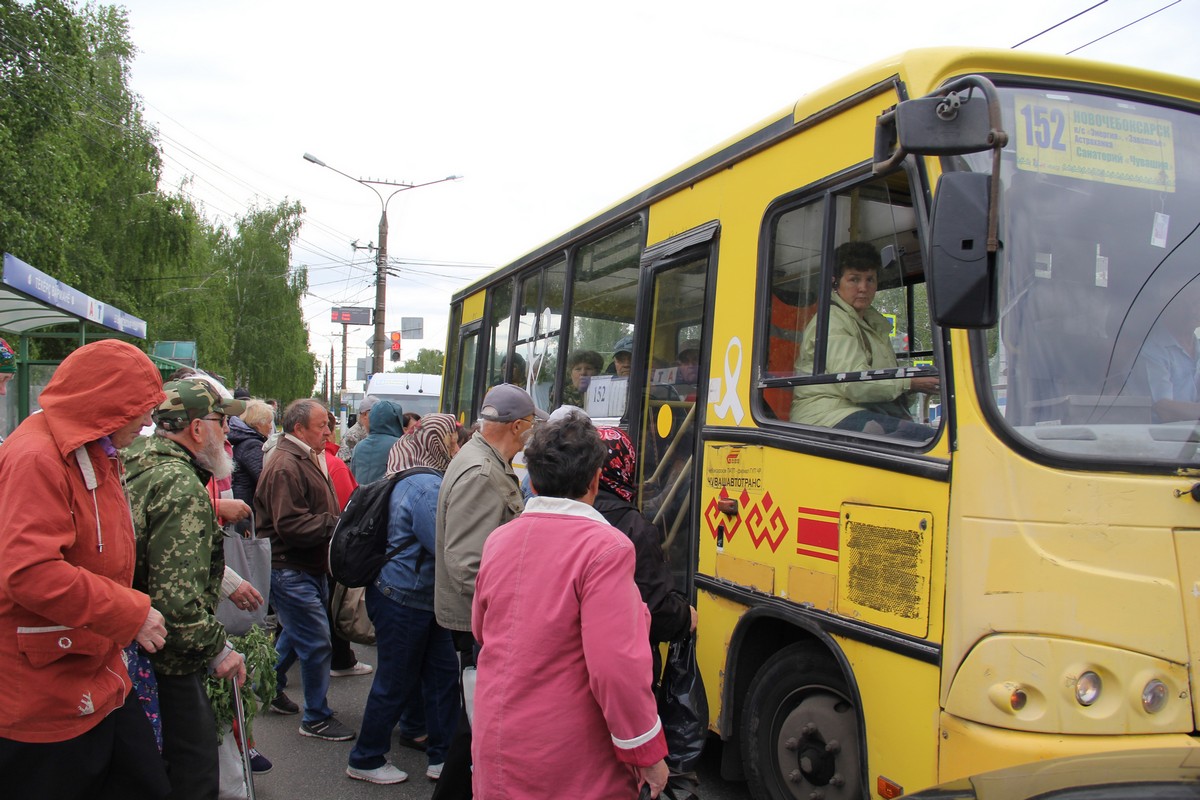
(434, 771)
(385, 774)
(358, 669)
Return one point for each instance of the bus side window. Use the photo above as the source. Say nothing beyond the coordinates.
(501, 323)
(795, 277)
(538, 327)
(603, 301)
(848, 317)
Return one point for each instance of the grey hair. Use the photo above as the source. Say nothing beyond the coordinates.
(298, 412)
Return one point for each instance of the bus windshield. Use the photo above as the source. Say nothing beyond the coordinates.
(1095, 356)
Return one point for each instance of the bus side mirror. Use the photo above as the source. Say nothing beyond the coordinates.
(945, 126)
(963, 116)
(963, 273)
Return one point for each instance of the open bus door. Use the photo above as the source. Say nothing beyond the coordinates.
(673, 392)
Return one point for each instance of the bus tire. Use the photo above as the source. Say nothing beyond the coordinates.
(800, 733)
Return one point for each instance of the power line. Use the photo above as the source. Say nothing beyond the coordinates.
(1057, 24)
(1123, 27)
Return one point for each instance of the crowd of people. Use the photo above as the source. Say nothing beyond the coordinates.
(504, 626)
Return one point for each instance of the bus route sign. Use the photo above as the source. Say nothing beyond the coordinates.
(1056, 136)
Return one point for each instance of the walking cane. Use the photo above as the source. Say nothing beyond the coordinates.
(245, 740)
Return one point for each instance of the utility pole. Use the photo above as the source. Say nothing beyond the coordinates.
(355, 246)
(381, 254)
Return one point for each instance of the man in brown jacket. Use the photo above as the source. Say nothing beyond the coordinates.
(296, 506)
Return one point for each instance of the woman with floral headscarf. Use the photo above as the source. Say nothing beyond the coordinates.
(416, 655)
(670, 616)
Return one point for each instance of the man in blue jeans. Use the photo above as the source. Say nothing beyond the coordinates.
(296, 506)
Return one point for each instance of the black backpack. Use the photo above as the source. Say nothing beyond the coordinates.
(358, 549)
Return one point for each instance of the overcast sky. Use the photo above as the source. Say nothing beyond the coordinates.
(550, 110)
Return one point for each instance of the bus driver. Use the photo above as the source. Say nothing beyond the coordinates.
(859, 340)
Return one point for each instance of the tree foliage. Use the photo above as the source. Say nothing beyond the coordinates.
(427, 362)
(81, 200)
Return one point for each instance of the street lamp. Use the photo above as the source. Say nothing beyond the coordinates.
(381, 251)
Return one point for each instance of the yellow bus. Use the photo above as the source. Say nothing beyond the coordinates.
(911, 370)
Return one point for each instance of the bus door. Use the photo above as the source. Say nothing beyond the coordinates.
(460, 385)
(678, 272)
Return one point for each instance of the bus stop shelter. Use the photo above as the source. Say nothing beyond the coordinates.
(33, 305)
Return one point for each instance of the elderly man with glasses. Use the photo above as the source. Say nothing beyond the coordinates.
(180, 563)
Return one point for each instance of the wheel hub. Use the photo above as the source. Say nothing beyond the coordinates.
(811, 760)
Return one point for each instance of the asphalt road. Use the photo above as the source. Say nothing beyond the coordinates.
(311, 769)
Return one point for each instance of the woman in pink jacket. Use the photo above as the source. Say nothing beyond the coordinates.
(563, 705)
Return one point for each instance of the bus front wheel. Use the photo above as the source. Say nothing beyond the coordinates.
(799, 735)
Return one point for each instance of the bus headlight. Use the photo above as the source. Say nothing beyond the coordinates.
(1087, 688)
(1154, 696)
(1048, 685)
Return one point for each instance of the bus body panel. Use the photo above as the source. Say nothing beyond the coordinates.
(969, 748)
(472, 308)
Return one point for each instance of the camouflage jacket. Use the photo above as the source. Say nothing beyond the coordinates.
(180, 557)
(353, 436)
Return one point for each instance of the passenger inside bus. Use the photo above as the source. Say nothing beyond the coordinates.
(581, 366)
(1170, 361)
(687, 369)
(858, 341)
(518, 370)
(622, 358)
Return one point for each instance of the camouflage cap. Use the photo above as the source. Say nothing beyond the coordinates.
(192, 398)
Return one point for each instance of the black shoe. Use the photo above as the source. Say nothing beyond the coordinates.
(419, 743)
(259, 764)
(328, 729)
(282, 704)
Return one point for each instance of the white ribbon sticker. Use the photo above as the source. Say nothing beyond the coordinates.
(730, 401)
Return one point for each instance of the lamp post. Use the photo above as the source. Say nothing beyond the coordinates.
(381, 251)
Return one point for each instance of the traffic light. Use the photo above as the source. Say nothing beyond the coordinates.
(395, 348)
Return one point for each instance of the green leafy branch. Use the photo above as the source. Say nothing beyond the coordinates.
(258, 649)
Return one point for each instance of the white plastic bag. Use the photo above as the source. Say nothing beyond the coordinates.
(468, 679)
(233, 779)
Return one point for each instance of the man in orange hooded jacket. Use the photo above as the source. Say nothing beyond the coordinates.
(70, 727)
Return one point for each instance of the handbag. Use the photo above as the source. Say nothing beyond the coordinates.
(145, 686)
(348, 608)
(250, 557)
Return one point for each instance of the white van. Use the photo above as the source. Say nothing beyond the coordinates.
(414, 391)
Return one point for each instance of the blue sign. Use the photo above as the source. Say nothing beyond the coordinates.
(56, 294)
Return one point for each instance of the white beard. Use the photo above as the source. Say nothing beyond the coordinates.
(213, 458)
